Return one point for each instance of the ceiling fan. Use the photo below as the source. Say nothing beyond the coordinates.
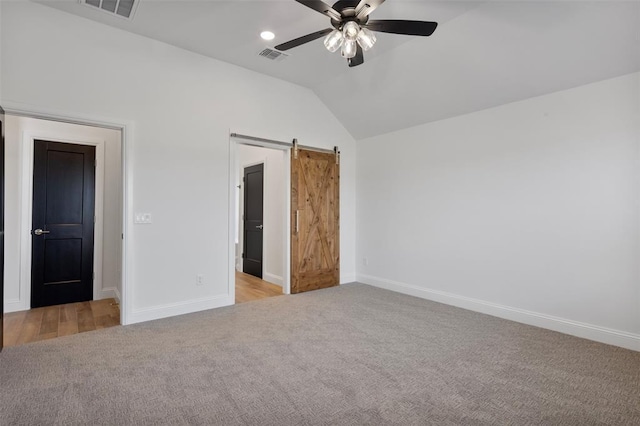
(353, 31)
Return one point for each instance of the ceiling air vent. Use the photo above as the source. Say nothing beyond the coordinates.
(122, 8)
(273, 54)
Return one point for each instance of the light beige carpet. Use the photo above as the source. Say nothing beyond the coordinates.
(349, 355)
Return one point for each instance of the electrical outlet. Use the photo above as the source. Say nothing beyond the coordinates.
(365, 261)
(200, 279)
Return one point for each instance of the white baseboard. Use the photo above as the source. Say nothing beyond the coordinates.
(574, 328)
(117, 296)
(273, 279)
(14, 305)
(109, 293)
(173, 309)
(347, 279)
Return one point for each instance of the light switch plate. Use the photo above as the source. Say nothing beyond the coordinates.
(142, 218)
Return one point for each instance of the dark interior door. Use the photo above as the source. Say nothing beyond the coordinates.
(63, 223)
(253, 224)
(1, 227)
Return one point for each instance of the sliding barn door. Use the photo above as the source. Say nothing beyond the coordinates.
(315, 220)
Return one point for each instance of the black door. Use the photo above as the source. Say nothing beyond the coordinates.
(1, 227)
(253, 226)
(63, 222)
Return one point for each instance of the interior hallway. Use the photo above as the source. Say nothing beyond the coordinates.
(249, 288)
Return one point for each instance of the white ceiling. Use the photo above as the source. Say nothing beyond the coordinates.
(483, 54)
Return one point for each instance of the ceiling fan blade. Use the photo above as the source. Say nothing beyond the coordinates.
(416, 28)
(358, 59)
(365, 7)
(304, 39)
(322, 7)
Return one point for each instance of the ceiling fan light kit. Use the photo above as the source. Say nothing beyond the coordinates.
(366, 39)
(347, 38)
(349, 49)
(352, 31)
(334, 41)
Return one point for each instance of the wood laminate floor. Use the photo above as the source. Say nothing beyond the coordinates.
(250, 288)
(60, 320)
(63, 320)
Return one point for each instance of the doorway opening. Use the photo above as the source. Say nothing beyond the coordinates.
(65, 251)
(260, 239)
(310, 213)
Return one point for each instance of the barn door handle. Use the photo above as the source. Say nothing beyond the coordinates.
(260, 226)
(40, 232)
(297, 219)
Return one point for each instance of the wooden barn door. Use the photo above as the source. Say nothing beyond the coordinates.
(315, 220)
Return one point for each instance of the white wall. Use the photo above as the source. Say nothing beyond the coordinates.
(528, 211)
(182, 106)
(274, 207)
(16, 287)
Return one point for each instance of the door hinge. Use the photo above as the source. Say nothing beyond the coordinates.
(295, 149)
(243, 255)
(93, 276)
(95, 219)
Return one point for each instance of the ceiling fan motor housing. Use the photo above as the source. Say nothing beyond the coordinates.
(347, 9)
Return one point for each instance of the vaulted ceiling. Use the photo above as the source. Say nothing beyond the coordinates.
(483, 54)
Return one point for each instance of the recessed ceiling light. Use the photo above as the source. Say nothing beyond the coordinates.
(267, 35)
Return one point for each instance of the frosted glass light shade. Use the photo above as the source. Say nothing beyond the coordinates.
(333, 41)
(350, 30)
(349, 49)
(366, 39)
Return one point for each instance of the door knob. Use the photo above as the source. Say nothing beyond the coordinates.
(259, 226)
(40, 232)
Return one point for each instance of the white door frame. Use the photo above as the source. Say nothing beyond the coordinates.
(126, 128)
(234, 213)
(26, 208)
